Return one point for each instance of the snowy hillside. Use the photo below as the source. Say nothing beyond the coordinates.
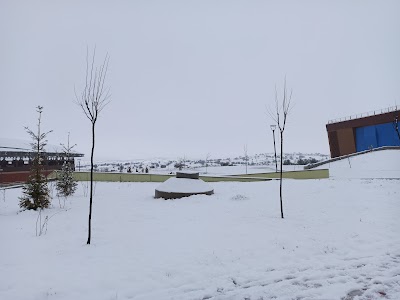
(258, 163)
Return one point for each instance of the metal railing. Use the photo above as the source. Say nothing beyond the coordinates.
(366, 114)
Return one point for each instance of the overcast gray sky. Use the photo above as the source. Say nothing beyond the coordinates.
(210, 64)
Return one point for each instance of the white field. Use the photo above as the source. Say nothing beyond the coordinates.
(340, 238)
(214, 170)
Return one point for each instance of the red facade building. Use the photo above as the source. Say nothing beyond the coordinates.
(364, 132)
(16, 159)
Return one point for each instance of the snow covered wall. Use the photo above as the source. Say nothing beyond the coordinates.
(376, 164)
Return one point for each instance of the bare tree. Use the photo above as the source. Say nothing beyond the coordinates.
(181, 163)
(246, 156)
(93, 98)
(279, 116)
(208, 156)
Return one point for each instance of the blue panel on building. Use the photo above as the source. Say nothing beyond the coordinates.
(376, 136)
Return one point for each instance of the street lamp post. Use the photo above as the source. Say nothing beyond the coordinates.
(273, 127)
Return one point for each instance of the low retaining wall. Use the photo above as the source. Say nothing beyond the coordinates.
(302, 174)
(134, 177)
(121, 177)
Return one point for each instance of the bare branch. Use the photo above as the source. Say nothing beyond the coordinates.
(272, 114)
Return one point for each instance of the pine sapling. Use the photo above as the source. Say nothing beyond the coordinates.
(36, 194)
(66, 184)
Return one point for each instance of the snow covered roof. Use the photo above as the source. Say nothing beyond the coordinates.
(15, 147)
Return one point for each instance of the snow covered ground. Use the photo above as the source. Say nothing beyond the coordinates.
(340, 239)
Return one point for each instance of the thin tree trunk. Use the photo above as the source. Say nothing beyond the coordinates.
(276, 162)
(91, 187)
(38, 171)
(280, 188)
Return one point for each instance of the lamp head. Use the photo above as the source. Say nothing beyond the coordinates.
(273, 127)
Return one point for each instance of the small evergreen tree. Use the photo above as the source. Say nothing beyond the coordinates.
(36, 194)
(66, 184)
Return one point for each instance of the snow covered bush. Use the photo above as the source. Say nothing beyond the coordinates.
(66, 184)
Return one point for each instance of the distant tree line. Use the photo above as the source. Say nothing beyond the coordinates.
(300, 161)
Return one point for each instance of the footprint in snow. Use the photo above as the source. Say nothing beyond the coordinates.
(239, 197)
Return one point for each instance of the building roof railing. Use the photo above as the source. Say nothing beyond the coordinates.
(18, 152)
(366, 114)
(22, 148)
